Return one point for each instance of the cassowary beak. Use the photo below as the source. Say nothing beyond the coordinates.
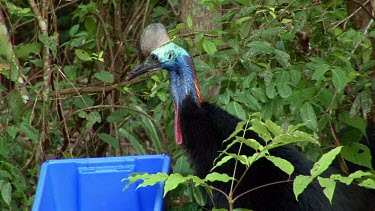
(147, 66)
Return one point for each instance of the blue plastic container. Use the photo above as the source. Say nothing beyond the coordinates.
(91, 184)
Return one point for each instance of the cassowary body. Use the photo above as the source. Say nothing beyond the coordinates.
(201, 142)
(201, 128)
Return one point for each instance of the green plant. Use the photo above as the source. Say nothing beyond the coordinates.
(274, 136)
(63, 64)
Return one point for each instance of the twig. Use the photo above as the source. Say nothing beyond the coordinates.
(337, 143)
(351, 15)
(109, 39)
(262, 186)
(364, 8)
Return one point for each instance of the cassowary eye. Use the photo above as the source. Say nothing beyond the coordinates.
(155, 58)
(170, 56)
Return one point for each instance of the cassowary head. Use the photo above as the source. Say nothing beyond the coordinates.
(163, 54)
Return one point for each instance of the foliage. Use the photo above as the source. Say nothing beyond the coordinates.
(275, 137)
(63, 65)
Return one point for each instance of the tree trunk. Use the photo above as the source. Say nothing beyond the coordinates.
(204, 19)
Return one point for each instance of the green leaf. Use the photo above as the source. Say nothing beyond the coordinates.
(209, 47)
(308, 116)
(224, 98)
(324, 162)
(163, 96)
(222, 161)
(358, 154)
(251, 143)
(270, 91)
(109, 140)
(339, 79)
(214, 176)
(82, 55)
(199, 195)
(256, 156)
(153, 179)
(329, 186)
(6, 193)
(173, 181)
(363, 102)
(12, 131)
(260, 47)
(50, 42)
(16, 106)
(295, 76)
(260, 128)
(116, 116)
(104, 76)
(267, 33)
(340, 178)
(282, 57)
(236, 109)
(23, 51)
(83, 101)
(354, 121)
(124, 132)
(259, 94)
(287, 139)
(92, 118)
(189, 21)
(368, 183)
(284, 90)
(73, 30)
(239, 128)
(300, 184)
(275, 129)
(282, 164)
(359, 174)
(319, 70)
(240, 20)
(91, 25)
(241, 158)
(182, 166)
(151, 128)
(30, 131)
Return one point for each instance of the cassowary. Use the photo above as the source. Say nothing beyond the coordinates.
(201, 128)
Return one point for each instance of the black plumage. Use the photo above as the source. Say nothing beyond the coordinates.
(205, 127)
(201, 128)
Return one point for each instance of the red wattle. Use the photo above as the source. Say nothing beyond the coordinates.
(177, 128)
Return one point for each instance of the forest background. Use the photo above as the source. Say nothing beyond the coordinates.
(63, 66)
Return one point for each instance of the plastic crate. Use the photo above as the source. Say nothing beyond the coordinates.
(91, 184)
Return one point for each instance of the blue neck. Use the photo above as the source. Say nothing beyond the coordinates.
(183, 81)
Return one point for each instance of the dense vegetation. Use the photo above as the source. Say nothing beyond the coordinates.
(63, 92)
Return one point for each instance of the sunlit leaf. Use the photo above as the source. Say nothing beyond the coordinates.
(214, 176)
(209, 47)
(153, 179)
(325, 161)
(82, 55)
(222, 161)
(173, 181)
(300, 184)
(282, 164)
(329, 186)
